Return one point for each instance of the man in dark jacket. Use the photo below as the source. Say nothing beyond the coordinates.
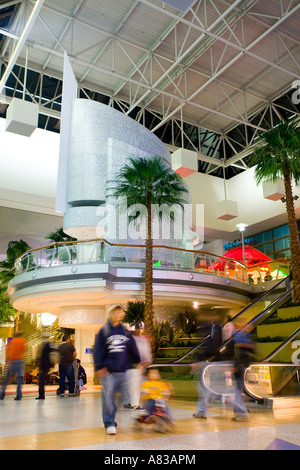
(114, 351)
(67, 354)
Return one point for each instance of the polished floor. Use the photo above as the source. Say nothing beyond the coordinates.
(75, 424)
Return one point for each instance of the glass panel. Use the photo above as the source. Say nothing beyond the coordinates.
(283, 254)
(266, 248)
(282, 244)
(264, 237)
(281, 231)
(272, 380)
(99, 251)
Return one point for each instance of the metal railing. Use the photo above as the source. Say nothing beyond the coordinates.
(164, 257)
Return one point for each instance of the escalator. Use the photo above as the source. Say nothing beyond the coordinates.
(266, 377)
(251, 316)
(274, 378)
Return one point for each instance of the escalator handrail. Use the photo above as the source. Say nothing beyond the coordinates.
(226, 343)
(279, 348)
(193, 349)
(261, 297)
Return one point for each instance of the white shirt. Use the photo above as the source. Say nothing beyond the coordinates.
(227, 331)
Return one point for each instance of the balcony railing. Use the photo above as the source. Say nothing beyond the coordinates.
(133, 256)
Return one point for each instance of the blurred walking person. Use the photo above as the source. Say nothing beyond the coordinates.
(136, 375)
(44, 365)
(228, 331)
(15, 354)
(243, 350)
(216, 339)
(114, 350)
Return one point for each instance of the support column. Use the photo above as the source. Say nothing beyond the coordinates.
(84, 343)
(87, 320)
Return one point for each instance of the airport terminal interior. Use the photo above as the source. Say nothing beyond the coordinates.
(88, 88)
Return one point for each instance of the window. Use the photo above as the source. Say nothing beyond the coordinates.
(282, 244)
(267, 248)
(281, 231)
(264, 237)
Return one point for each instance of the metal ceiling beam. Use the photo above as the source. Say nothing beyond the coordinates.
(187, 51)
(143, 85)
(4, 99)
(9, 4)
(110, 36)
(242, 50)
(7, 33)
(224, 68)
(21, 42)
(126, 78)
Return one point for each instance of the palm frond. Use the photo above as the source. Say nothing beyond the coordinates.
(142, 175)
(279, 149)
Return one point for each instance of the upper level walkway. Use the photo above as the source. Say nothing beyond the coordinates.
(89, 272)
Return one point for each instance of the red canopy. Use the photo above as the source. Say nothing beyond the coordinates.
(252, 257)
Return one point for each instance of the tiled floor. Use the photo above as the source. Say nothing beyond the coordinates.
(75, 424)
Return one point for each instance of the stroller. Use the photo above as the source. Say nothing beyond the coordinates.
(159, 417)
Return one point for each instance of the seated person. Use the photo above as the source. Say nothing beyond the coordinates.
(81, 376)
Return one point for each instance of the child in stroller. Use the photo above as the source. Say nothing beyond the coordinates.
(154, 393)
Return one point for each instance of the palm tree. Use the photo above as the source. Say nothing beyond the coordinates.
(149, 181)
(59, 236)
(14, 250)
(134, 312)
(278, 156)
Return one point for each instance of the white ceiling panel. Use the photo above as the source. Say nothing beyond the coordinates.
(213, 63)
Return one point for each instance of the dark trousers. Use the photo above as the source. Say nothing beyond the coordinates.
(42, 379)
(66, 372)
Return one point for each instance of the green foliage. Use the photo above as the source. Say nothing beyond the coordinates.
(14, 250)
(164, 334)
(280, 149)
(59, 236)
(63, 252)
(269, 339)
(7, 312)
(281, 320)
(142, 176)
(187, 322)
(134, 312)
(171, 334)
(60, 332)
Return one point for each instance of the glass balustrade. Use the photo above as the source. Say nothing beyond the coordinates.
(101, 251)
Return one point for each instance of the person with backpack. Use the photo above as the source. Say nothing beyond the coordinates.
(114, 351)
